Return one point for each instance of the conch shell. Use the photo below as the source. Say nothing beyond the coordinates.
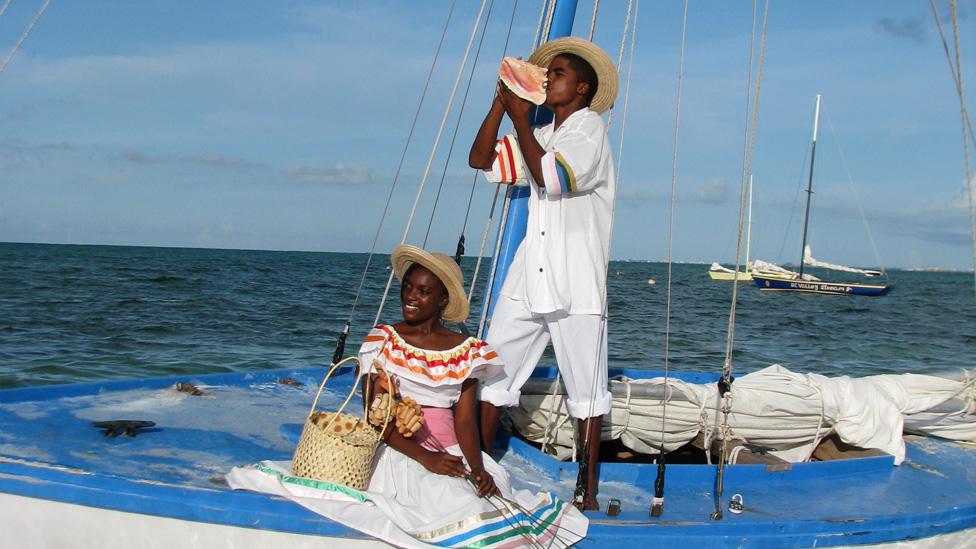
(526, 80)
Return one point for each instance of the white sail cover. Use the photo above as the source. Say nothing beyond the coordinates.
(765, 268)
(787, 412)
(808, 259)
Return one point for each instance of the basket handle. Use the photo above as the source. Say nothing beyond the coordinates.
(352, 392)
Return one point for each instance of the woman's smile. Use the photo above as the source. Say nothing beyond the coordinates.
(422, 295)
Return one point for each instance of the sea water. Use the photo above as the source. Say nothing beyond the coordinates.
(82, 313)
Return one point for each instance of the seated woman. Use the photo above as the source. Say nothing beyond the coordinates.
(435, 487)
(427, 474)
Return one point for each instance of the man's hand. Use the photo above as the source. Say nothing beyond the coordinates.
(516, 107)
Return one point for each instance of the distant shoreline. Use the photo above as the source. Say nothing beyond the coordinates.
(620, 260)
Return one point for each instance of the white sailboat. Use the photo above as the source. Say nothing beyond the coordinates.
(718, 272)
(799, 281)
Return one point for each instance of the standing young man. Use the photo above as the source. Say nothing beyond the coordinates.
(556, 285)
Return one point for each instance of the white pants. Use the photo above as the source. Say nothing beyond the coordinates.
(579, 341)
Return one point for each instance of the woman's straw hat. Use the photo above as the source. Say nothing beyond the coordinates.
(444, 268)
(606, 72)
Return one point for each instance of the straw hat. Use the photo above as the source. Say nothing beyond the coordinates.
(444, 268)
(606, 72)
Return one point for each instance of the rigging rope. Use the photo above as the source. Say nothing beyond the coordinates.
(850, 180)
(967, 127)
(631, 10)
(450, 149)
(494, 199)
(494, 262)
(3, 8)
(620, 60)
(606, 267)
(630, 72)
(545, 18)
(474, 180)
(747, 126)
(340, 345)
(725, 384)
(433, 152)
(657, 505)
(596, 10)
(543, 10)
(800, 186)
(747, 152)
(541, 37)
(954, 70)
(964, 112)
(24, 35)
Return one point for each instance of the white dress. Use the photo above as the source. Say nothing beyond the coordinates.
(409, 506)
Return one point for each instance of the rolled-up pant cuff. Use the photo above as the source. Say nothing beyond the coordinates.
(585, 409)
(499, 397)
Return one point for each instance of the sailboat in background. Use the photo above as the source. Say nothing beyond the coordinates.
(718, 272)
(785, 281)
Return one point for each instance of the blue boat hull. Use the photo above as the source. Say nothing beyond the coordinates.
(50, 451)
(773, 284)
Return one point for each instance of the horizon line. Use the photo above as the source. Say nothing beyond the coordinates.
(218, 248)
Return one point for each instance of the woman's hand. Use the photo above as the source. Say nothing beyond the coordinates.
(484, 481)
(443, 463)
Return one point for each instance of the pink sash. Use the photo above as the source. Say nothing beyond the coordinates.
(437, 432)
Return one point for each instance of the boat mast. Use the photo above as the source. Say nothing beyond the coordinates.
(813, 154)
(749, 227)
(516, 217)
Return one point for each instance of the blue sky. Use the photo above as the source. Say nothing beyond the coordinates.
(280, 125)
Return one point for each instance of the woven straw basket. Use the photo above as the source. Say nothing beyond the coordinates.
(336, 446)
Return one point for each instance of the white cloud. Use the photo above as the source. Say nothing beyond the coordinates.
(338, 173)
(201, 159)
(714, 191)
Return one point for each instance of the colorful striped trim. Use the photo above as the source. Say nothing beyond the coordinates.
(502, 531)
(509, 161)
(448, 357)
(316, 484)
(436, 366)
(559, 176)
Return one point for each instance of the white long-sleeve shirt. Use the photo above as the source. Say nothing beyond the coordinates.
(561, 264)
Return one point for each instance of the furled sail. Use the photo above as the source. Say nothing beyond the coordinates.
(786, 413)
(765, 268)
(808, 259)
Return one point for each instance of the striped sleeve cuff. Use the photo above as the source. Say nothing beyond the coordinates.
(558, 176)
(508, 166)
